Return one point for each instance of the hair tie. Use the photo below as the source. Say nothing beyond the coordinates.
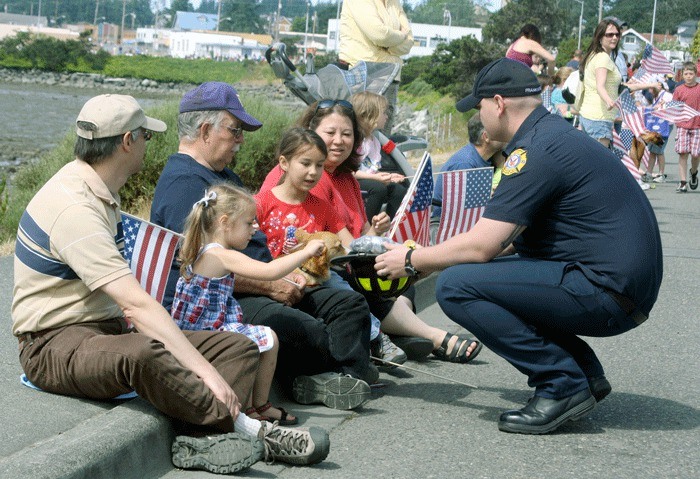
(208, 196)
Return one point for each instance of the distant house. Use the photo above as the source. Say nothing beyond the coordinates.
(285, 24)
(185, 21)
(686, 32)
(426, 37)
(633, 43)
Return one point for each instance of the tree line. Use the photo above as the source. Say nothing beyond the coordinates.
(558, 19)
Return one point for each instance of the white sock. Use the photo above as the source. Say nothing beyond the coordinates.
(247, 425)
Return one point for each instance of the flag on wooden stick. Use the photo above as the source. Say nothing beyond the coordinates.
(675, 111)
(412, 220)
(632, 115)
(464, 197)
(654, 61)
(149, 249)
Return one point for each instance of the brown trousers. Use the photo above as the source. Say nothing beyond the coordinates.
(103, 360)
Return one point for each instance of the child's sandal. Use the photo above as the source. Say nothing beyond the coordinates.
(284, 419)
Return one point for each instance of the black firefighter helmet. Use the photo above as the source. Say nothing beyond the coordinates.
(360, 267)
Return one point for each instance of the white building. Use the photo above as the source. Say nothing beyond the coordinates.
(153, 41)
(426, 37)
(218, 45)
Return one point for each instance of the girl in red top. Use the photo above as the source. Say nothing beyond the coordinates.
(334, 121)
(290, 205)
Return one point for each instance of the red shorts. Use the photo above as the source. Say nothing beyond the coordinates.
(688, 141)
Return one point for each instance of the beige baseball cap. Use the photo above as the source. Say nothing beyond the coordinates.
(111, 115)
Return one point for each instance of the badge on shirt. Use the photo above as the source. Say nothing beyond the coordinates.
(515, 162)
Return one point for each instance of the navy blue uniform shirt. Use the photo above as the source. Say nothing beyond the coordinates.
(581, 206)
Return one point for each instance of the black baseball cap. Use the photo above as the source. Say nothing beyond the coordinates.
(505, 77)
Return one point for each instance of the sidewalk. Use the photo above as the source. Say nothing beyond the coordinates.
(420, 426)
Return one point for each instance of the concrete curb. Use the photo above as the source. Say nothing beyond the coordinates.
(131, 440)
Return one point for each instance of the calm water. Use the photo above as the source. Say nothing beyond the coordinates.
(34, 118)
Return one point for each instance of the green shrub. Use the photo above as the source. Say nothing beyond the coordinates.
(26, 50)
(179, 70)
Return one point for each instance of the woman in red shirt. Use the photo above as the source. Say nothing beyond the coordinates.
(335, 123)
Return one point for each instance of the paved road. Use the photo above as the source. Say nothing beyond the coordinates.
(418, 426)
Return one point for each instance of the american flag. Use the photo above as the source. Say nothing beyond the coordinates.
(676, 111)
(149, 249)
(464, 193)
(621, 147)
(632, 116)
(547, 99)
(642, 76)
(412, 220)
(655, 62)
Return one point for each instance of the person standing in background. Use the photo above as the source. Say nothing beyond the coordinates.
(528, 46)
(375, 31)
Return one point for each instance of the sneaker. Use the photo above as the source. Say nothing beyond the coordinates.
(681, 188)
(644, 186)
(660, 178)
(301, 446)
(333, 390)
(693, 180)
(383, 349)
(646, 178)
(220, 454)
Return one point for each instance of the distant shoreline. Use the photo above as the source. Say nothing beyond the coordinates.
(91, 80)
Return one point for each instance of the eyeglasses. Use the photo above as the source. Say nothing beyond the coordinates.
(147, 134)
(237, 133)
(323, 104)
(611, 35)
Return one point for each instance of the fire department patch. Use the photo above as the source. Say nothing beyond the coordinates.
(515, 162)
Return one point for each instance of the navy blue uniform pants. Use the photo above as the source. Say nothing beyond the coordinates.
(531, 312)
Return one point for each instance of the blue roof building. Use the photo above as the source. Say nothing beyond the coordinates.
(195, 21)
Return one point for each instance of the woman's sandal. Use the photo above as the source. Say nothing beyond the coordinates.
(459, 353)
(284, 419)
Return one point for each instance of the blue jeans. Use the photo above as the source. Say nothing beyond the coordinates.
(531, 312)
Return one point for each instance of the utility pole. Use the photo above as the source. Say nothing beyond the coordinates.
(218, 16)
(306, 29)
(121, 31)
(277, 20)
(653, 23)
(97, 7)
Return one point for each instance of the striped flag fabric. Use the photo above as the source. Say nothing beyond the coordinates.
(547, 99)
(676, 111)
(642, 76)
(412, 220)
(464, 197)
(149, 249)
(621, 147)
(632, 116)
(654, 61)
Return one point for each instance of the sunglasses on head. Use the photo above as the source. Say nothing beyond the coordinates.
(610, 35)
(324, 104)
